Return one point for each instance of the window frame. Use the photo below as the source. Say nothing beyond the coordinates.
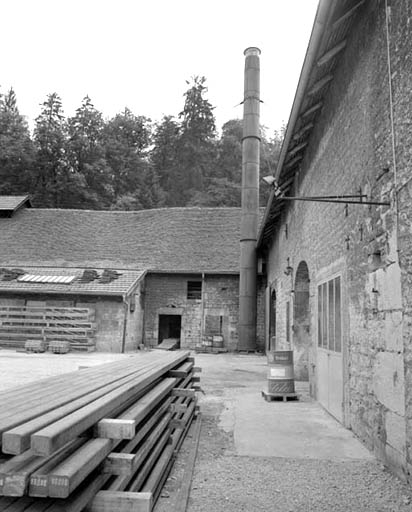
(329, 314)
(194, 289)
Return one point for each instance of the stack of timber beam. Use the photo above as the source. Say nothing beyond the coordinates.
(73, 325)
(99, 439)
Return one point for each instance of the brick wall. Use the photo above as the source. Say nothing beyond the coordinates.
(351, 148)
(167, 294)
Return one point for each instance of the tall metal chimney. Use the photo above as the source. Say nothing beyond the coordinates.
(250, 201)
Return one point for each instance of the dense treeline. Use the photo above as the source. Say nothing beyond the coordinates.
(127, 162)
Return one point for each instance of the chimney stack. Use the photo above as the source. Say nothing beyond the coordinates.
(250, 201)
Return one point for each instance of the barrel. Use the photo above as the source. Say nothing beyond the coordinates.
(280, 372)
(218, 341)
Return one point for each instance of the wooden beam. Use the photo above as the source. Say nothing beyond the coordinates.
(317, 86)
(292, 163)
(347, 15)
(124, 427)
(302, 131)
(183, 493)
(327, 56)
(126, 463)
(107, 501)
(38, 484)
(296, 149)
(17, 439)
(182, 371)
(312, 109)
(52, 437)
(68, 475)
(184, 392)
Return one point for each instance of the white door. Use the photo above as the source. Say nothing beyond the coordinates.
(329, 360)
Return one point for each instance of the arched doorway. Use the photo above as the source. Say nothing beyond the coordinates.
(301, 322)
(272, 321)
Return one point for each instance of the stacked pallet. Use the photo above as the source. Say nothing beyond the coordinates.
(99, 439)
(47, 324)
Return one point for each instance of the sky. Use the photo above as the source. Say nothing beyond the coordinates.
(139, 54)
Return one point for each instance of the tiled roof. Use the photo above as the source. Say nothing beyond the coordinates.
(167, 239)
(12, 203)
(119, 286)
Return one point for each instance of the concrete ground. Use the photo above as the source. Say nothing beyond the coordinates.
(253, 455)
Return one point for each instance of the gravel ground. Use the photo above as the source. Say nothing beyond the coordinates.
(223, 481)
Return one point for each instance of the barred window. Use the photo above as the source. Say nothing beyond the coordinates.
(194, 289)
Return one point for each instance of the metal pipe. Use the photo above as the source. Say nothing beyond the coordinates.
(325, 200)
(250, 201)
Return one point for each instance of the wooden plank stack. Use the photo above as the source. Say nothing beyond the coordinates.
(99, 439)
(75, 326)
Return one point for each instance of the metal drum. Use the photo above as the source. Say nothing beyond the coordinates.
(280, 372)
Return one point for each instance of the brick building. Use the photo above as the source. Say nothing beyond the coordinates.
(339, 273)
(141, 276)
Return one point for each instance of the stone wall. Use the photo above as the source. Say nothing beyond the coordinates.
(216, 311)
(351, 149)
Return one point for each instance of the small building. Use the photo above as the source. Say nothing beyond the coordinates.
(144, 276)
(336, 233)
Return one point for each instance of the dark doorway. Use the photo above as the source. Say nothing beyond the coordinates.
(169, 327)
(272, 320)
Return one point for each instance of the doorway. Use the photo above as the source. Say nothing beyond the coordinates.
(272, 321)
(169, 327)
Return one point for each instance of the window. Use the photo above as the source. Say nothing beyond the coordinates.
(194, 290)
(329, 315)
(288, 321)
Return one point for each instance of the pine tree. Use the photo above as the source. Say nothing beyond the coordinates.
(16, 147)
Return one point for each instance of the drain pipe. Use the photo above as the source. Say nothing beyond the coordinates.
(250, 201)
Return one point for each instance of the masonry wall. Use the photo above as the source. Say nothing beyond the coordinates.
(215, 313)
(351, 149)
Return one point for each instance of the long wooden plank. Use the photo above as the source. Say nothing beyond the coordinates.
(182, 371)
(18, 439)
(82, 496)
(124, 427)
(79, 384)
(182, 498)
(73, 377)
(15, 474)
(159, 472)
(38, 484)
(144, 470)
(68, 475)
(52, 437)
(108, 501)
(129, 463)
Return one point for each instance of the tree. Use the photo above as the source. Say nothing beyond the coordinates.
(196, 145)
(86, 154)
(50, 136)
(127, 138)
(164, 154)
(16, 147)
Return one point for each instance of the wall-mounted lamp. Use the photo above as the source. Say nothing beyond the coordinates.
(271, 181)
(289, 269)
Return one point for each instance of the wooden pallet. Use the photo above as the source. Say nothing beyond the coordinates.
(270, 397)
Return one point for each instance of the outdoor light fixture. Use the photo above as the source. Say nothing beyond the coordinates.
(271, 181)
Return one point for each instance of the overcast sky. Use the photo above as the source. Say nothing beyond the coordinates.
(139, 54)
